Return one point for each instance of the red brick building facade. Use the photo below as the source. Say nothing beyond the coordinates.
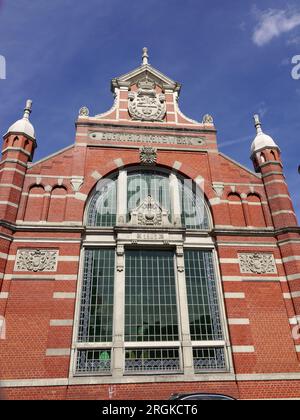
(141, 261)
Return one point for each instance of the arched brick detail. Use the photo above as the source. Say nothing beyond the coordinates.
(257, 217)
(35, 203)
(236, 210)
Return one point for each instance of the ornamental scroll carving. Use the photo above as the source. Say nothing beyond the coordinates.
(149, 213)
(36, 260)
(257, 264)
(148, 155)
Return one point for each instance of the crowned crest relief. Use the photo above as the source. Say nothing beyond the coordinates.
(36, 260)
(146, 104)
(149, 213)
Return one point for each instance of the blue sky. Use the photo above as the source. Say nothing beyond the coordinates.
(233, 59)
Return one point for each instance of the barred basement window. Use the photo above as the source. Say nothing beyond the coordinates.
(152, 360)
(208, 359)
(93, 361)
(96, 312)
(151, 304)
(204, 312)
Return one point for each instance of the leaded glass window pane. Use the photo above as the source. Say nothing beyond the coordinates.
(194, 214)
(143, 184)
(204, 313)
(96, 313)
(209, 358)
(93, 361)
(103, 206)
(152, 360)
(151, 306)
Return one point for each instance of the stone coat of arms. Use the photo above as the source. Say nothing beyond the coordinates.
(146, 104)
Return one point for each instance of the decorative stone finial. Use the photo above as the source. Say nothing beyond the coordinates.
(257, 124)
(28, 109)
(145, 56)
(208, 120)
(84, 112)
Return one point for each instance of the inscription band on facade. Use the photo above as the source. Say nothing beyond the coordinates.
(147, 138)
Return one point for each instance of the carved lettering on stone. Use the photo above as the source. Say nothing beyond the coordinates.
(257, 264)
(36, 260)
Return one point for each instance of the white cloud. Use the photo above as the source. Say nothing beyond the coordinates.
(273, 23)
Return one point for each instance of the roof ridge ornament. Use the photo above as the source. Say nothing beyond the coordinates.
(258, 124)
(28, 109)
(145, 57)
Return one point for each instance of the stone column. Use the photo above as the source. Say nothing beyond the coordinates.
(122, 198)
(119, 314)
(175, 200)
(187, 349)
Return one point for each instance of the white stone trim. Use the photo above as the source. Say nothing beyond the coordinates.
(238, 321)
(277, 213)
(14, 187)
(3, 256)
(12, 170)
(243, 349)
(4, 295)
(287, 296)
(70, 258)
(291, 259)
(295, 320)
(48, 241)
(275, 181)
(274, 197)
(237, 261)
(247, 244)
(298, 349)
(39, 277)
(58, 352)
(96, 175)
(9, 203)
(260, 278)
(80, 196)
(119, 163)
(234, 295)
(60, 295)
(177, 165)
(295, 294)
(31, 383)
(61, 322)
(17, 161)
(215, 201)
(293, 277)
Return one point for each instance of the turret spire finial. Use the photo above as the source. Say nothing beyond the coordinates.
(28, 109)
(145, 56)
(258, 124)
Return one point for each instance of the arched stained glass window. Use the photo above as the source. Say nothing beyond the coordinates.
(194, 211)
(103, 206)
(157, 184)
(143, 184)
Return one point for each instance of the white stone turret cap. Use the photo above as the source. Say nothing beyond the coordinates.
(24, 126)
(262, 140)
